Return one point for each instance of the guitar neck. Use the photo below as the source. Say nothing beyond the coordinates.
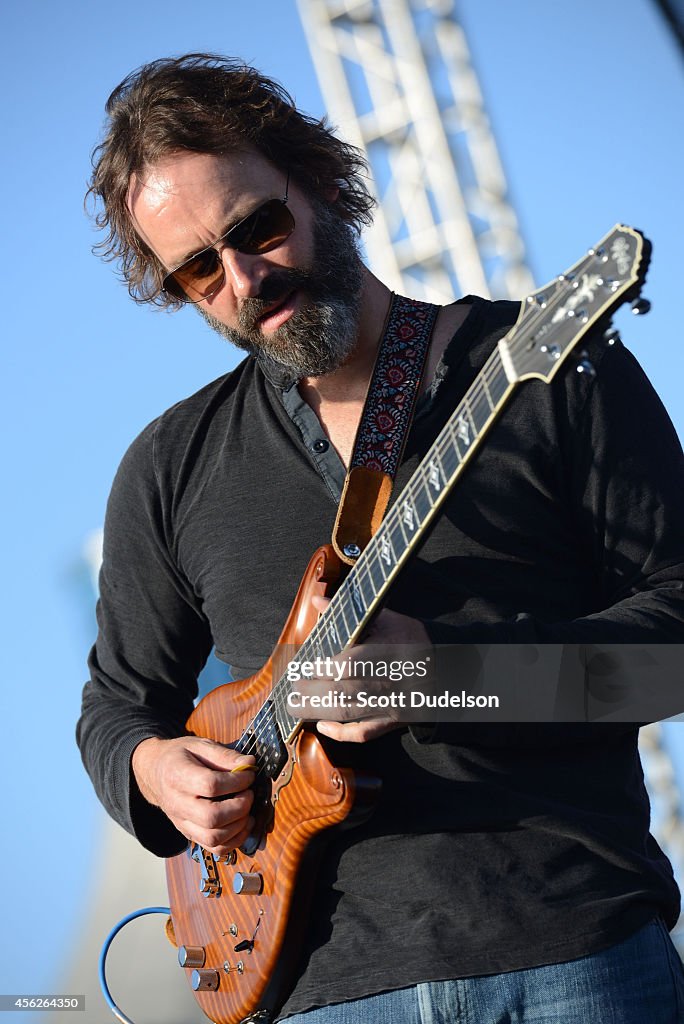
(376, 569)
(551, 323)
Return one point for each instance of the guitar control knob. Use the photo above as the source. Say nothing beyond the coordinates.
(641, 307)
(210, 887)
(247, 883)
(191, 956)
(204, 981)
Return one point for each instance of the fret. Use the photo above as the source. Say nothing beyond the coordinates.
(357, 597)
(395, 533)
(485, 386)
(347, 610)
(376, 570)
(317, 644)
(498, 384)
(481, 410)
(364, 571)
(335, 627)
(402, 534)
(422, 500)
(313, 643)
(428, 493)
(408, 514)
(387, 554)
(345, 614)
(466, 403)
(381, 562)
(449, 455)
(462, 435)
(366, 585)
(328, 636)
(435, 474)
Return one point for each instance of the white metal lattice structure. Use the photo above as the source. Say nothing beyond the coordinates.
(398, 82)
(666, 803)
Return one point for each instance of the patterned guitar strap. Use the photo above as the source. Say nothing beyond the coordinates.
(385, 423)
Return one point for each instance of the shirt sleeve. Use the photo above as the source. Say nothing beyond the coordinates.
(152, 643)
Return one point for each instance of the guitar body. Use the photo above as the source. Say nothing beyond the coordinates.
(308, 796)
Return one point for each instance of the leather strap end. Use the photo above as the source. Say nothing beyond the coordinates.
(362, 506)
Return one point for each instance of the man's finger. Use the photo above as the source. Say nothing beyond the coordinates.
(357, 732)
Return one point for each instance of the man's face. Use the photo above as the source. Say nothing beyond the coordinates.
(298, 303)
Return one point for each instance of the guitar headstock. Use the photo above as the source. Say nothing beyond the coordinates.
(557, 316)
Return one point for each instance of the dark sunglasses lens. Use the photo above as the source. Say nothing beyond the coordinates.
(197, 278)
(265, 229)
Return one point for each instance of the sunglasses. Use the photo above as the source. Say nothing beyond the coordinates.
(202, 275)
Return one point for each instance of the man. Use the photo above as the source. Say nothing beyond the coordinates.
(507, 872)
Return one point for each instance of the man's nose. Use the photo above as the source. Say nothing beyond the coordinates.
(244, 272)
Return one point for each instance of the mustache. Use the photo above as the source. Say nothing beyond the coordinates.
(276, 286)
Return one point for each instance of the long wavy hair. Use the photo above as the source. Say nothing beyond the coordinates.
(207, 103)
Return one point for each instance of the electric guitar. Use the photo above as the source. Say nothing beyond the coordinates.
(236, 921)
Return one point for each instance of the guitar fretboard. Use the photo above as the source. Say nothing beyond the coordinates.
(362, 591)
(552, 322)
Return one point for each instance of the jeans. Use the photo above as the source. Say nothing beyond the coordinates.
(639, 981)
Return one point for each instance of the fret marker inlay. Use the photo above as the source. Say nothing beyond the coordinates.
(433, 476)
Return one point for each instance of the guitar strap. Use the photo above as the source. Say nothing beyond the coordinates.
(385, 423)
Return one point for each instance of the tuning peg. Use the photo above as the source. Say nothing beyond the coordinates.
(585, 366)
(641, 307)
(612, 337)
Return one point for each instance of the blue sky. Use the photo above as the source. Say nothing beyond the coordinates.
(585, 100)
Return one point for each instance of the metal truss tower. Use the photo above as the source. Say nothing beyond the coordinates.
(666, 804)
(398, 82)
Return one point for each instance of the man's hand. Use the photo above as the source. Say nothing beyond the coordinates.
(202, 786)
(388, 632)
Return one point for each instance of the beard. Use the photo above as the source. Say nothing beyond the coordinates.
(320, 336)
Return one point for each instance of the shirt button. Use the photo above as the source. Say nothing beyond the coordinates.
(320, 446)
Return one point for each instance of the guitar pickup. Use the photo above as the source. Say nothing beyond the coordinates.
(266, 741)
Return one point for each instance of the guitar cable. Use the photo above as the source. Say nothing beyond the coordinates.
(119, 1014)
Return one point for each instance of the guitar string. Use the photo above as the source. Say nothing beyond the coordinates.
(442, 446)
(482, 388)
(320, 633)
